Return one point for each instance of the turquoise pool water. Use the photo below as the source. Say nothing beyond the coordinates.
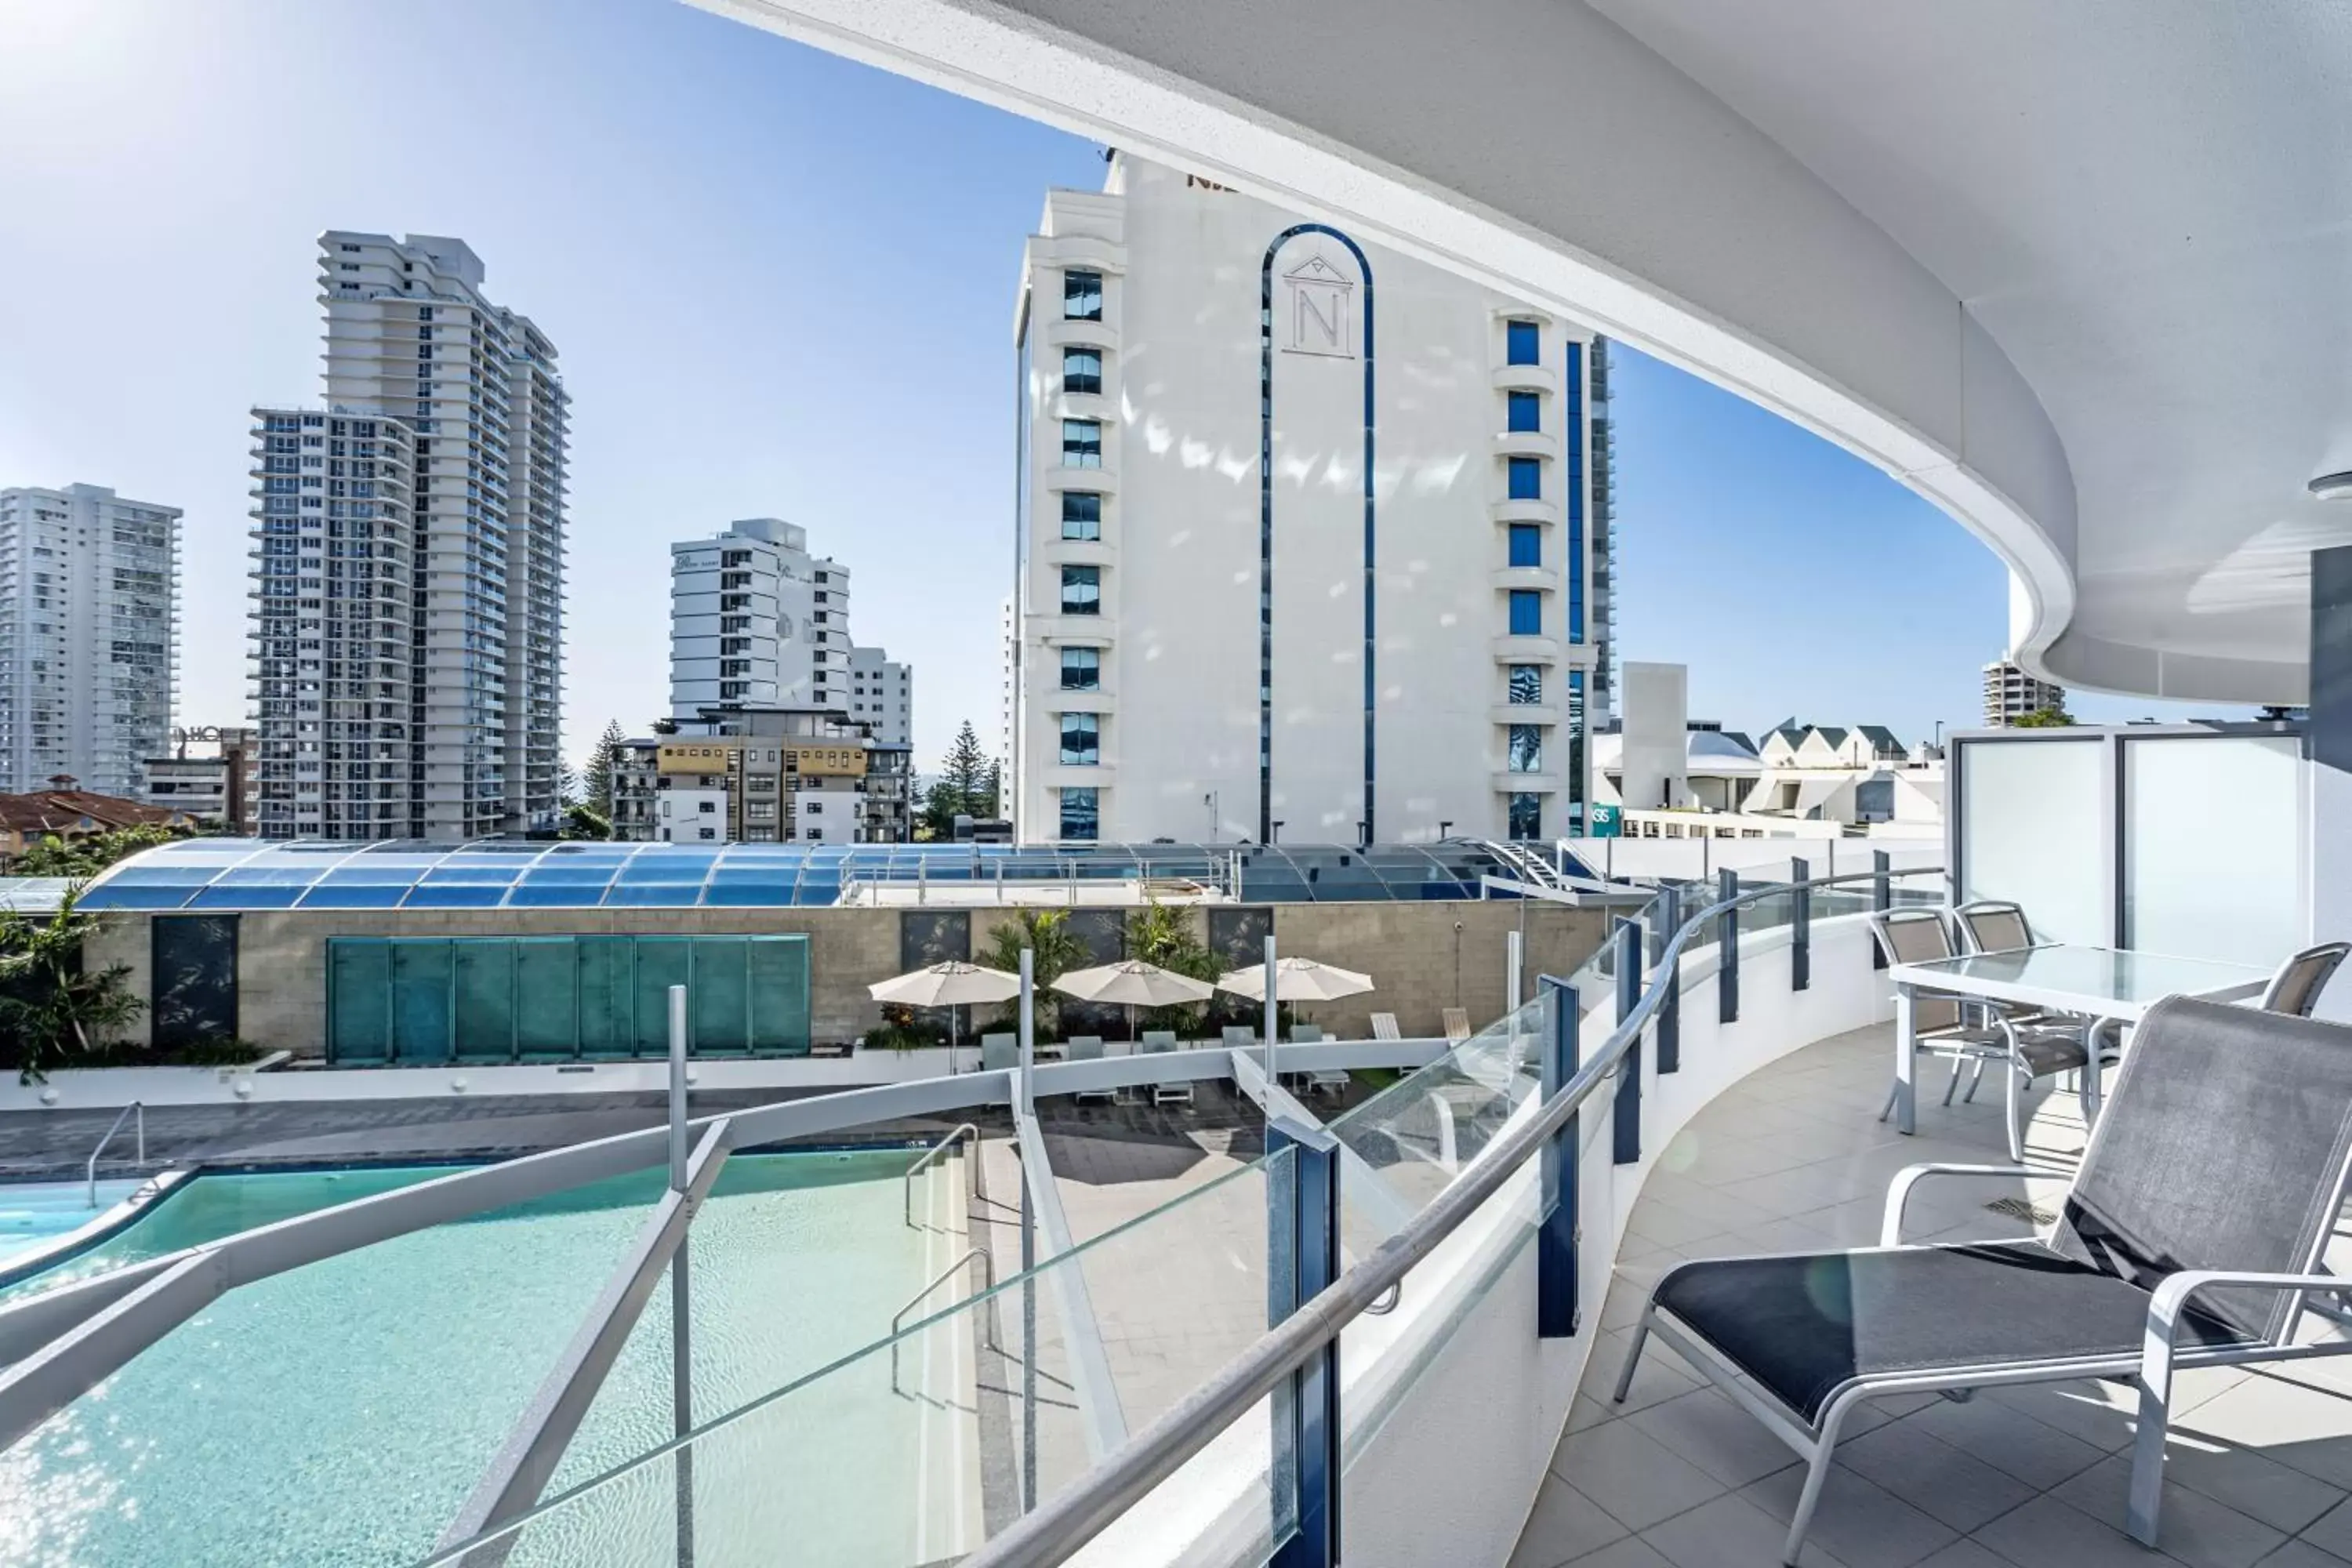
(37, 1212)
(341, 1413)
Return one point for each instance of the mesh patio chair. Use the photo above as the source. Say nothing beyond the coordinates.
(1240, 1035)
(998, 1052)
(1089, 1048)
(2222, 1163)
(1178, 1092)
(2295, 988)
(1999, 925)
(1942, 1027)
(1319, 1080)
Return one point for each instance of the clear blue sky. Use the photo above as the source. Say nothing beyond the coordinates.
(782, 285)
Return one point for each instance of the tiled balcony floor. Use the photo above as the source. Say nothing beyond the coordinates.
(1791, 1159)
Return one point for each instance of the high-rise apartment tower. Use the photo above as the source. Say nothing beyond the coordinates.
(89, 619)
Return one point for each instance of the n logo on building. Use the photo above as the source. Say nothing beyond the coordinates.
(1319, 316)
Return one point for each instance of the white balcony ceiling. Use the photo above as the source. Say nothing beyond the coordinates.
(2078, 271)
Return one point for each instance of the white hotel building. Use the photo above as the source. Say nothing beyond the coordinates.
(1313, 539)
(89, 619)
(409, 619)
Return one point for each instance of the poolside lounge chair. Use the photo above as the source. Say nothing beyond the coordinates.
(2221, 1160)
(2026, 1050)
(1241, 1035)
(2295, 988)
(1318, 1079)
(1457, 1024)
(1384, 1026)
(998, 1052)
(1089, 1048)
(1155, 1042)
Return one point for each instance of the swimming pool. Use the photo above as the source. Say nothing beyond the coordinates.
(341, 1413)
(34, 1214)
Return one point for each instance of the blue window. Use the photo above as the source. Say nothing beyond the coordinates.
(1527, 544)
(1526, 473)
(1081, 370)
(1527, 610)
(1572, 384)
(1527, 817)
(1081, 740)
(1524, 339)
(1526, 685)
(1082, 296)
(1081, 668)
(1082, 444)
(1081, 815)
(1082, 591)
(1081, 514)
(1527, 749)
(1527, 411)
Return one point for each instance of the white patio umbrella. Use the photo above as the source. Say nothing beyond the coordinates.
(1135, 983)
(1297, 980)
(953, 984)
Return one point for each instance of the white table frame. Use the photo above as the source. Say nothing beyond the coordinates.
(1932, 977)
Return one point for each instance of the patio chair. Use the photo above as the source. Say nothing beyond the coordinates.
(1305, 1034)
(1941, 1027)
(1384, 1026)
(1457, 1024)
(1157, 1042)
(1999, 925)
(1319, 1080)
(2222, 1163)
(1241, 1035)
(998, 1052)
(1089, 1048)
(2295, 988)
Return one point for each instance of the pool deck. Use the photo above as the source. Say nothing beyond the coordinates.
(1792, 1158)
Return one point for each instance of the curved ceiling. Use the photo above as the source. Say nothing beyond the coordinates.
(2080, 271)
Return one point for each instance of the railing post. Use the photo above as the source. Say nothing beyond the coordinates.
(1557, 1317)
(1882, 898)
(1726, 949)
(1513, 956)
(1800, 926)
(1628, 1130)
(1670, 1004)
(681, 1296)
(1303, 1235)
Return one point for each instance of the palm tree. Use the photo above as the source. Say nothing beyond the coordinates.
(1047, 934)
(51, 1005)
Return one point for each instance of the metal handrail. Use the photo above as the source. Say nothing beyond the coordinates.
(139, 1106)
(1057, 1531)
(898, 1318)
(979, 1178)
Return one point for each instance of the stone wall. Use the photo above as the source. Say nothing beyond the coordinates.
(1424, 956)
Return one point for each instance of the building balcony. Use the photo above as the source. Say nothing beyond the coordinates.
(1073, 631)
(1524, 511)
(1541, 579)
(1076, 553)
(1509, 650)
(1525, 713)
(1058, 477)
(1527, 444)
(1508, 783)
(1526, 378)
(1063, 333)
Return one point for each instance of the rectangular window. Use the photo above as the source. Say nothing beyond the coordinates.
(1525, 411)
(1081, 370)
(1082, 296)
(1524, 339)
(1527, 478)
(1082, 591)
(1081, 668)
(1527, 749)
(1527, 544)
(1527, 613)
(1081, 514)
(1081, 815)
(1082, 443)
(1526, 685)
(1527, 817)
(1081, 740)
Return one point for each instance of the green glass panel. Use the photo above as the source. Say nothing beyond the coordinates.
(359, 1002)
(486, 1000)
(547, 998)
(422, 977)
(721, 997)
(607, 995)
(662, 962)
(778, 971)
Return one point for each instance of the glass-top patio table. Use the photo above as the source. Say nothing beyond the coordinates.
(2106, 982)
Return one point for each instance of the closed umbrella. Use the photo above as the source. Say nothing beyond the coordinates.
(1133, 983)
(953, 984)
